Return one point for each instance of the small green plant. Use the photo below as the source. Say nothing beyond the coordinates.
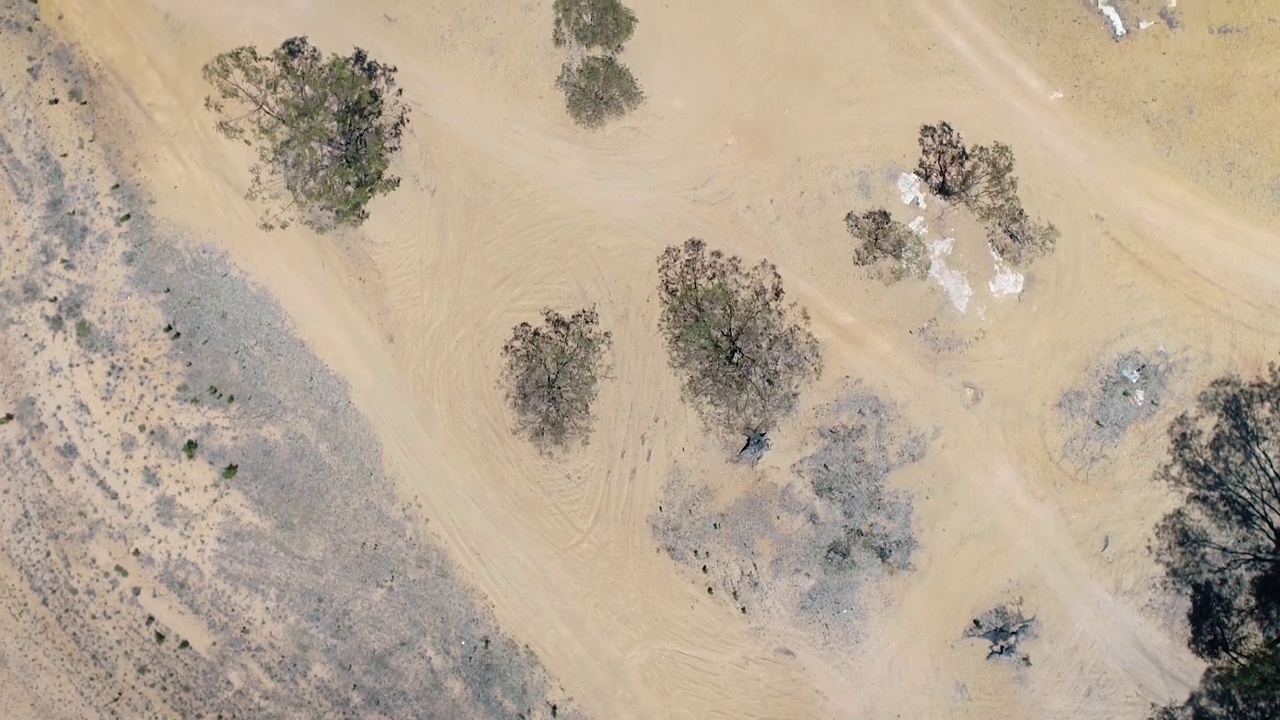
(6, 418)
(75, 95)
(230, 471)
(83, 328)
(599, 89)
(159, 637)
(124, 218)
(121, 571)
(189, 449)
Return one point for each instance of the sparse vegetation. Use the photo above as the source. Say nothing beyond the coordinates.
(742, 352)
(552, 375)
(1222, 546)
(598, 89)
(983, 180)
(230, 471)
(1004, 627)
(850, 472)
(605, 24)
(889, 242)
(189, 449)
(325, 129)
(6, 418)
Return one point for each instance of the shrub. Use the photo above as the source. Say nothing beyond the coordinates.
(1018, 238)
(325, 129)
(552, 375)
(741, 351)
(603, 24)
(599, 89)
(944, 161)
(886, 239)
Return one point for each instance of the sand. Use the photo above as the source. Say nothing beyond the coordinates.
(763, 126)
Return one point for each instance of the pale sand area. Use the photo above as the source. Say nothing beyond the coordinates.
(763, 126)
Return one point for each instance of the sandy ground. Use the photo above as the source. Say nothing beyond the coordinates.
(763, 127)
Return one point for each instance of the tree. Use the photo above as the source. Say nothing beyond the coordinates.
(992, 185)
(605, 24)
(1016, 236)
(325, 129)
(552, 374)
(1222, 546)
(599, 89)
(944, 161)
(886, 239)
(741, 351)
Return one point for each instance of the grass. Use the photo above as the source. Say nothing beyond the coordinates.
(189, 449)
(83, 328)
(230, 471)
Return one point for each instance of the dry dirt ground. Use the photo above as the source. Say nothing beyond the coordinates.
(385, 548)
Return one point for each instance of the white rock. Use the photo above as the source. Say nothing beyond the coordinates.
(953, 282)
(910, 186)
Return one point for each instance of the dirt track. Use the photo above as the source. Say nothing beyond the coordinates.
(762, 128)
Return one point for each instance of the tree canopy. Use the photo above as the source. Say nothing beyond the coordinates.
(325, 129)
(983, 180)
(742, 352)
(552, 374)
(1222, 546)
(598, 89)
(885, 240)
(605, 24)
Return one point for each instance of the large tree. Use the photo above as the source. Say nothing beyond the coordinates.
(598, 89)
(552, 374)
(1222, 545)
(742, 352)
(325, 129)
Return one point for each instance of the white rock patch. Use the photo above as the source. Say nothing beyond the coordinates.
(910, 186)
(1006, 281)
(953, 282)
(918, 227)
(1117, 25)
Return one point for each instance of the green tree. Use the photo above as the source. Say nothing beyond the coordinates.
(552, 374)
(605, 24)
(599, 89)
(325, 129)
(887, 240)
(742, 352)
(1222, 545)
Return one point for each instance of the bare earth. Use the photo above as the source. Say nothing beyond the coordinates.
(386, 548)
